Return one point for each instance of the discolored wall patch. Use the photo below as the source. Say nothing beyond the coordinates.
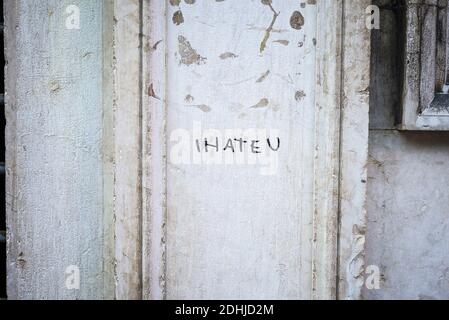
(188, 55)
(297, 20)
(178, 18)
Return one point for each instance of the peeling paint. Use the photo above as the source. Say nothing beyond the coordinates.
(263, 103)
(55, 86)
(203, 107)
(151, 92)
(299, 95)
(156, 44)
(178, 18)
(283, 42)
(188, 55)
(175, 2)
(297, 20)
(228, 55)
(263, 77)
(263, 44)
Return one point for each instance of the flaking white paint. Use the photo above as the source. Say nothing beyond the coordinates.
(54, 150)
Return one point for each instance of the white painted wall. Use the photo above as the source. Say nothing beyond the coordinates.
(91, 179)
(233, 232)
(54, 150)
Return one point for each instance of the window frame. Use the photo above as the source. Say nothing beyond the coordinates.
(425, 105)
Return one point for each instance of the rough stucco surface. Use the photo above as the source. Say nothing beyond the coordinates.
(54, 132)
(408, 228)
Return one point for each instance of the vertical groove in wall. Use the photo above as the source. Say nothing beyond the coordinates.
(145, 43)
(342, 80)
(326, 164)
(13, 281)
(165, 163)
(114, 108)
(108, 150)
(154, 148)
(141, 159)
(165, 212)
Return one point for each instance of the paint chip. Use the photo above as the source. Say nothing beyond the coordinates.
(188, 55)
(299, 95)
(263, 103)
(175, 2)
(228, 55)
(54, 86)
(178, 18)
(203, 107)
(263, 77)
(268, 31)
(151, 92)
(297, 20)
(283, 42)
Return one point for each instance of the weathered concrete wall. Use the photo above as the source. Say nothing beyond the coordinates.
(407, 234)
(54, 134)
(408, 228)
